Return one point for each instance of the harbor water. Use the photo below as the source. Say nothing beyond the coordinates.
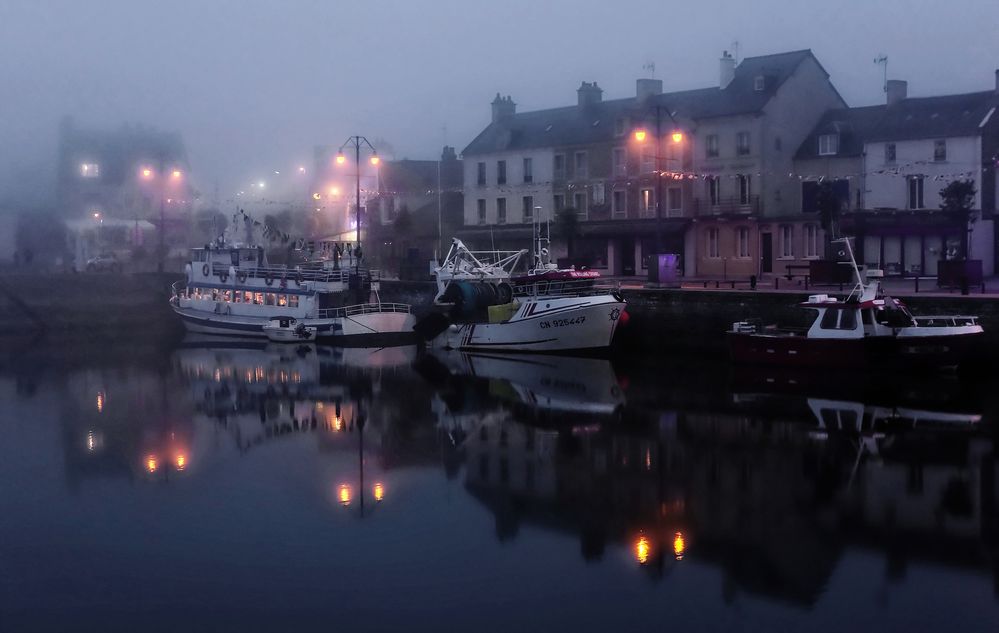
(221, 485)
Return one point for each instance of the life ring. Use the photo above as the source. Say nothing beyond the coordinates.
(299, 244)
(241, 277)
(268, 279)
(204, 270)
(223, 276)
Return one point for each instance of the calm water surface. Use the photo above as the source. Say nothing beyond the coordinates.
(218, 487)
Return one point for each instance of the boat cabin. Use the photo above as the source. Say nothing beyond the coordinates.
(236, 256)
(856, 319)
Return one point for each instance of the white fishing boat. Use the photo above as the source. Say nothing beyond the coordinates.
(547, 310)
(289, 330)
(231, 290)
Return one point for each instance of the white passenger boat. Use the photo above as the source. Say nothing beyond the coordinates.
(231, 290)
(288, 330)
(547, 310)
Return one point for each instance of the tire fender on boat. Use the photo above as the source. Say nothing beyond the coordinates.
(205, 270)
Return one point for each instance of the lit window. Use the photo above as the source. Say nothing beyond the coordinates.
(90, 170)
(646, 201)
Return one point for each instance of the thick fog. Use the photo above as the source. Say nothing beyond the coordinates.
(254, 85)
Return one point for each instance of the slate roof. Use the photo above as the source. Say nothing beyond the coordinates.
(414, 176)
(575, 125)
(909, 119)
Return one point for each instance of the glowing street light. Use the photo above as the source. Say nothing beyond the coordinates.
(677, 137)
(640, 135)
(316, 196)
(301, 169)
(340, 158)
(176, 174)
(379, 491)
(375, 160)
(147, 173)
(334, 191)
(344, 494)
(642, 549)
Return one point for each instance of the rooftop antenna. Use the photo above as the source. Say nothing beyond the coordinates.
(735, 51)
(882, 60)
(650, 67)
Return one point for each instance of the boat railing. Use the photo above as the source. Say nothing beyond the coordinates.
(305, 273)
(564, 288)
(945, 321)
(363, 308)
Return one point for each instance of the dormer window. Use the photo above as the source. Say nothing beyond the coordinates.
(759, 83)
(828, 144)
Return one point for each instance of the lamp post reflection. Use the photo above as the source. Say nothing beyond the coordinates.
(345, 492)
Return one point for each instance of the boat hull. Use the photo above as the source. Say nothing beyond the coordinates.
(916, 352)
(374, 327)
(544, 325)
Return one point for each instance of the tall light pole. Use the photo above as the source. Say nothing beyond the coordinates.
(147, 174)
(677, 137)
(357, 142)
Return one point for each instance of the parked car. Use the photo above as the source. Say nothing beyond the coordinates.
(105, 262)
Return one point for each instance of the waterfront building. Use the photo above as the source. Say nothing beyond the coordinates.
(130, 173)
(415, 213)
(702, 173)
(887, 164)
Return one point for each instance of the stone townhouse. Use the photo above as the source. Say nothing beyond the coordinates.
(702, 173)
(889, 162)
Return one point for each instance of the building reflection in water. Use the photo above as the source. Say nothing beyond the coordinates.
(773, 488)
(772, 483)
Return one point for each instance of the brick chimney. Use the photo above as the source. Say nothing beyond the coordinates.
(448, 153)
(645, 88)
(589, 93)
(503, 108)
(897, 90)
(726, 69)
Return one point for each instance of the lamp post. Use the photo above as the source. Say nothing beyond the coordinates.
(357, 142)
(676, 136)
(147, 174)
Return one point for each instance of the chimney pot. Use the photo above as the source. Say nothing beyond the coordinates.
(588, 93)
(897, 90)
(645, 88)
(503, 108)
(726, 69)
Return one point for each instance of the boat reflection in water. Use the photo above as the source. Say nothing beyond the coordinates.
(795, 492)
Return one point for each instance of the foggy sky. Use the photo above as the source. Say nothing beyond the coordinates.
(254, 85)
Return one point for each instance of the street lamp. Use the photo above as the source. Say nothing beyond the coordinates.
(677, 137)
(147, 174)
(341, 159)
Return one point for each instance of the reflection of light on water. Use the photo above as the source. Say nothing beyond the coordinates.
(344, 494)
(181, 461)
(94, 441)
(642, 548)
(100, 402)
(379, 491)
(152, 464)
(648, 459)
(679, 546)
